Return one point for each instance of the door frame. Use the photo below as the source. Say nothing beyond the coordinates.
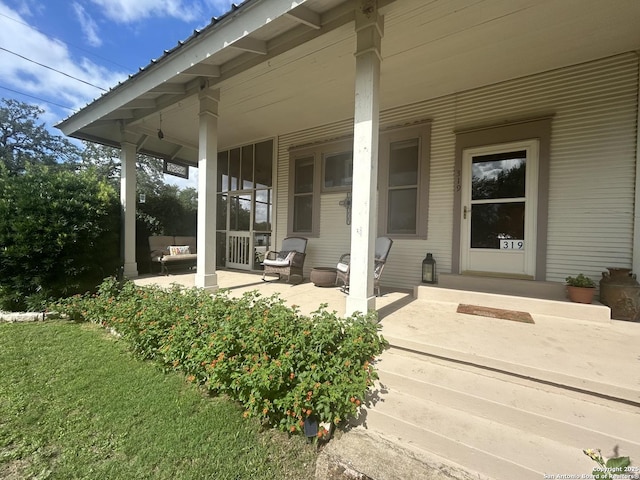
(527, 257)
(506, 132)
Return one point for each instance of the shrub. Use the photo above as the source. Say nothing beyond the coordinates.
(281, 366)
(59, 234)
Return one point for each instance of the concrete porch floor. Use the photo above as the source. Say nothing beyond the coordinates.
(603, 357)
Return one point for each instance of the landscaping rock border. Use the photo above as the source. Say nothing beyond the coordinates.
(13, 317)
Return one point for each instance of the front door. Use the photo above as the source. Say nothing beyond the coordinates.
(499, 205)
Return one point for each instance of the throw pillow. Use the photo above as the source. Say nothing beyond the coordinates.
(179, 249)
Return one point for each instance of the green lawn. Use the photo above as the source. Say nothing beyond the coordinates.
(74, 403)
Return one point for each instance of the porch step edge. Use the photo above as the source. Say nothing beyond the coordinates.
(595, 312)
(561, 380)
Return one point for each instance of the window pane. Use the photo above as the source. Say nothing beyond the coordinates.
(247, 167)
(402, 210)
(302, 213)
(221, 216)
(499, 176)
(264, 164)
(304, 175)
(234, 168)
(492, 222)
(338, 170)
(223, 171)
(240, 212)
(262, 211)
(403, 163)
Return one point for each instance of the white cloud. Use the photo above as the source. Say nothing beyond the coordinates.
(88, 25)
(28, 7)
(130, 11)
(30, 78)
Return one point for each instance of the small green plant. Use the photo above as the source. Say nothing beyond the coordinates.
(608, 469)
(580, 281)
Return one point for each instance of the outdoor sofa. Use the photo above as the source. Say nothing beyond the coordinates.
(173, 252)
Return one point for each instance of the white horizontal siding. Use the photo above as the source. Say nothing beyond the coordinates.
(592, 169)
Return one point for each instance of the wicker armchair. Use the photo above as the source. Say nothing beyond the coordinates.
(383, 245)
(288, 261)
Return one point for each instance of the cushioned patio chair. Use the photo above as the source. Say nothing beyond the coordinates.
(383, 245)
(288, 261)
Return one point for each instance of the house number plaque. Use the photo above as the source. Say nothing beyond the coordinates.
(511, 244)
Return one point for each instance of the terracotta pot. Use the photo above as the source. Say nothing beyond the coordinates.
(581, 294)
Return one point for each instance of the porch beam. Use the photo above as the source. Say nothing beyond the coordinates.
(128, 153)
(206, 276)
(141, 103)
(306, 16)
(169, 88)
(251, 45)
(203, 70)
(369, 31)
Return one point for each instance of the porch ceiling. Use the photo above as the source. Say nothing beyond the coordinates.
(296, 70)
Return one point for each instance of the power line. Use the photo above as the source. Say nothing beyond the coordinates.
(65, 43)
(37, 98)
(55, 70)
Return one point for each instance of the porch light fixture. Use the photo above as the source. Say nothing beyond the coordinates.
(160, 132)
(429, 269)
(143, 198)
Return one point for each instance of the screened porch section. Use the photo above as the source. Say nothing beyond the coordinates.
(244, 205)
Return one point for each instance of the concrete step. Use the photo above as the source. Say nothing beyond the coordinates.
(490, 448)
(578, 418)
(595, 312)
(621, 393)
(496, 425)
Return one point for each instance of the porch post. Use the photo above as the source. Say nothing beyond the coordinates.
(369, 30)
(206, 276)
(128, 152)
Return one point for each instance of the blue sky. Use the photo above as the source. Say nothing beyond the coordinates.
(99, 42)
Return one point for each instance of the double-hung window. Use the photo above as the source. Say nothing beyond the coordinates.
(403, 182)
(304, 203)
(403, 179)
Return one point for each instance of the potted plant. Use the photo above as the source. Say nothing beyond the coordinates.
(580, 288)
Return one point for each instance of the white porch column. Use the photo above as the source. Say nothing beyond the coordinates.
(369, 31)
(128, 152)
(206, 276)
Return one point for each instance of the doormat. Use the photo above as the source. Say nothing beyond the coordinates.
(513, 315)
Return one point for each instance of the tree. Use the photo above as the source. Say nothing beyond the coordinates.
(23, 139)
(106, 160)
(59, 232)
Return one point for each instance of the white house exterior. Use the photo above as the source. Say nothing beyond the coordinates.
(501, 136)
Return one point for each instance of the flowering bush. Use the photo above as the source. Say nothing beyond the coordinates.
(282, 366)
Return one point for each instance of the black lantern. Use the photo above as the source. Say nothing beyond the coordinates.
(429, 269)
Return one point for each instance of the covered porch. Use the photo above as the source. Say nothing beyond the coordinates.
(554, 82)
